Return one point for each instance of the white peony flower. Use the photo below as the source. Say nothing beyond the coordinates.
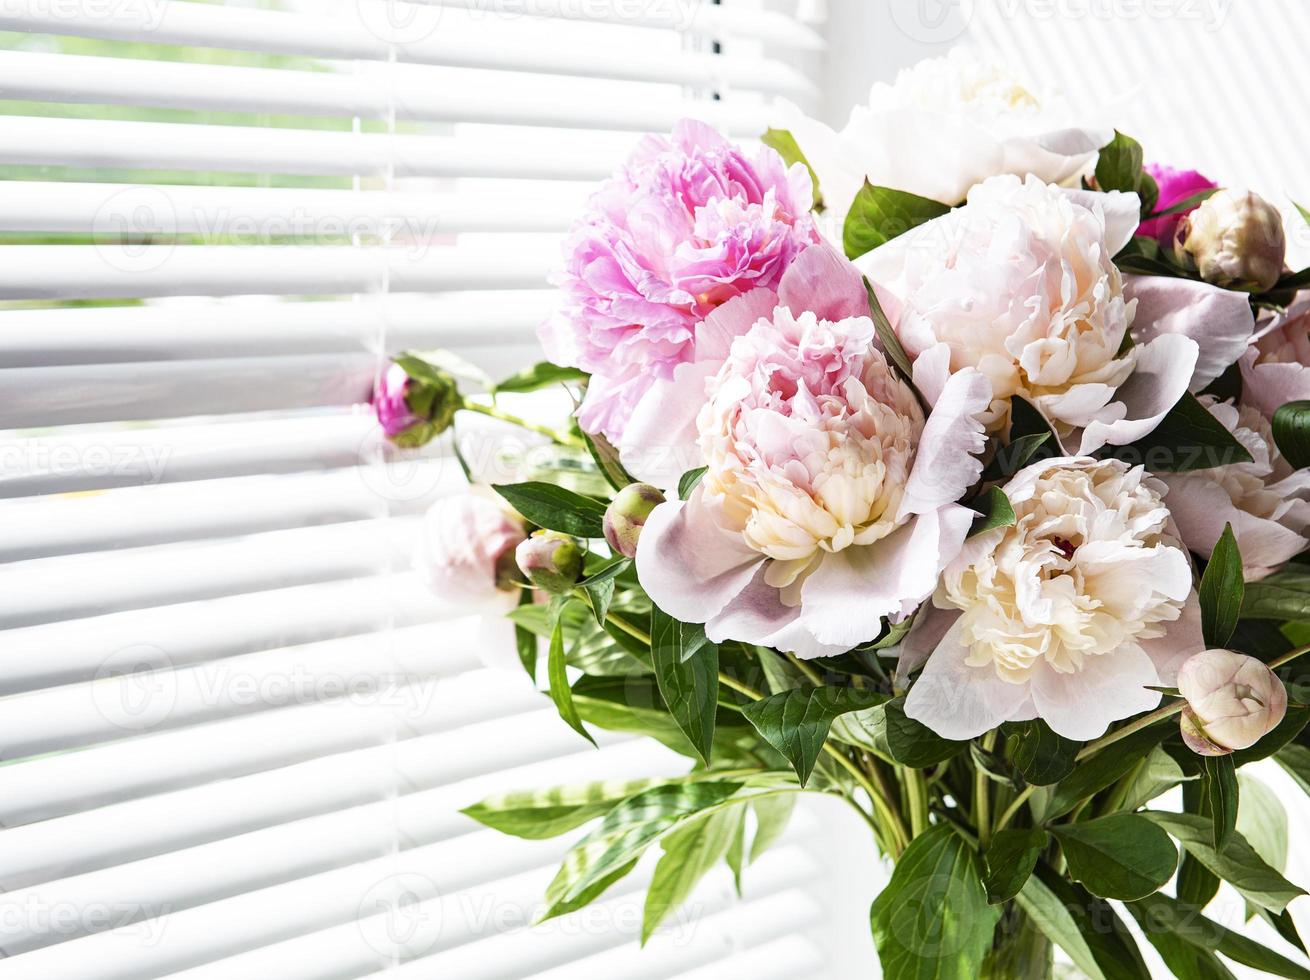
(1276, 366)
(1267, 504)
(1020, 284)
(944, 125)
(1069, 615)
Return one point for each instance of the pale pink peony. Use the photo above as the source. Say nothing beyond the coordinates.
(465, 552)
(1070, 615)
(1276, 367)
(828, 502)
(1267, 504)
(686, 225)
(1020, 284)
(1233, 701)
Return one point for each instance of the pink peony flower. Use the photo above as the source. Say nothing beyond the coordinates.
(1071, 614)
(686, 225)
(1176, 186)
(1276, 367)
(1233, 701)
(389, 403)
(1265, 501)
(466, 552)
(828, 500)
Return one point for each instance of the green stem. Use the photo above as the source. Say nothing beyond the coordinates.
(1014, 806)
(916, 791)
(640, 635)
(810, 674)
(562, 438)
(982, 801)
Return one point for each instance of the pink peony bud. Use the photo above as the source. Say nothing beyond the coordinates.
(626, 516)
(415, 402)
(1235, 240)
(1232, 701)
(1175, 186)
(466, 550)
(551, 561)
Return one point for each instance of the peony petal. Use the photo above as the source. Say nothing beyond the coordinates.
(1268, 387)
(1219, 320)
(689, 565)
(1183, 639)
(1082, 705)
(931, 370)
(715, 334)
(1163, 372)
(1121, 211)
(660, 441)
(757, 615)
(945, 463)
(821, 281)
(958, 701)
(930, 626)
(838, 168)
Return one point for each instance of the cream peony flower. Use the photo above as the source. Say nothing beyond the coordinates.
(829, 500)
(1020, 284)
(944, 125)
(1267, 504)
(1069, 615)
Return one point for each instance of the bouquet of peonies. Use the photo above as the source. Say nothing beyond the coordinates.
(953, 464)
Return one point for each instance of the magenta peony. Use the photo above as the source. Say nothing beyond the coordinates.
(828, 499)
(686, 225)
(1176, 186)
(394, 414)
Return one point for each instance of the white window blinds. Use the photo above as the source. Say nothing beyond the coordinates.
(235, 731)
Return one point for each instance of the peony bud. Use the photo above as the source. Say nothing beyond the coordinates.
(466, 551)
(415, 402)
(626, 516)
(1235, 240)
(1232, 701)
(551, 561)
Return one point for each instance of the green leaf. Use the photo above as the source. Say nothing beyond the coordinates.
(541, 813)
(1289, 728)
(599, 588)
(994, 511)
(1015, 455)
(1160, 913)
(1105, 934)
(525, 641)
(630, 704)
(626, 831)
(932, 921)
(1219, 785)
(1184, 960)
(1119, 168)
(891, 344)
(689, 482)
(560, 692)
(606, 458)
(1238, 863)
(736, 855)
(914, 744)
(689, 852)
(785, 143)
(1187, 203)
(1121, 856)
(879, 214)
(1262, 820)
(865, 729)
(1011, 857)
(1040, 755)
(558, 906)
(1197, 885)
(1221, 591)
(1187, 438)
(687, 671)
(1057, 924)
(1095, 774)
(1283, 595)
(1295, 759)
(796, 722)
(549, 506)
(540, 375)
(1157, 774)
(772, 814)
(1291, 426)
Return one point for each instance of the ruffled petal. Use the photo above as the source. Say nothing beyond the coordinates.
(1121, 211)
(1219, 320)
(1270, 386)
(689, 565)
(757, 615)
(1081, 705)
(958, 701)
(945, 463)
(1171, 651)
(1161, 376)
(822, 282)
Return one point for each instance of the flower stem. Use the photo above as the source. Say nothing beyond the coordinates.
(562, 438)
(982, 801)
(916, 792)
(1014, 806)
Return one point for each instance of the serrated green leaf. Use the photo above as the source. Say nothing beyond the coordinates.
(1238, 863)
(785, 143)
(796, 722)
(1221, 591)
(540, 375)
(549, 506)
(1291, 425)
(1010, 858)
(1121, 856)
(879, 214)
(687, 671)
(932, 920)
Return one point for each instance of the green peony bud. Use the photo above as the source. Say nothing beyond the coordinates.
(626, 516)
(551, 561)
(415, 401)
(1234, 239)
